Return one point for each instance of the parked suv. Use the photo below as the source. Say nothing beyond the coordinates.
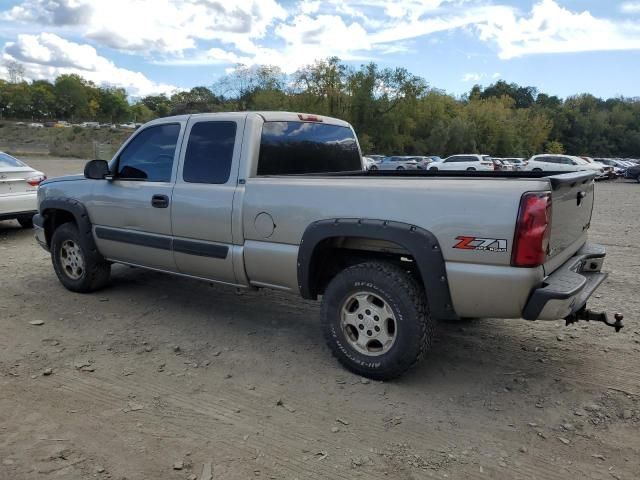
(562, 163)
(470, 162)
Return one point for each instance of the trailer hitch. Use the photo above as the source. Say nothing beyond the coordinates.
(591, 316)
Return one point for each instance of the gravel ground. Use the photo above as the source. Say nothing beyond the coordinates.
(167, 378)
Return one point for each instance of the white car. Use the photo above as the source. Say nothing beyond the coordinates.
(368, 162)
(468, 162)
(517, 162)
(561, 163)
(397, 163)
(18, 190)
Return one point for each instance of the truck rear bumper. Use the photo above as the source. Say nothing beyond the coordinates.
(567, 289)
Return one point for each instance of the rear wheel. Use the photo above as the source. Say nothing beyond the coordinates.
(25, 221)
(433, 169)
(537, 169)
(400, 168)
(77, 267)
(376, 320)
(373, 167)
(471, 169)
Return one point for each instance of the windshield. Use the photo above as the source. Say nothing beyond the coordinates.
(9, 161)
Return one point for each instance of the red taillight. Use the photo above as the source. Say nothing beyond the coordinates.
(309, 118)
(35, 181)
(533, 230)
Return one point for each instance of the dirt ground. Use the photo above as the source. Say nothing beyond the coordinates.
(157, 377)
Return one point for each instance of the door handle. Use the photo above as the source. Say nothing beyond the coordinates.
(159, 201)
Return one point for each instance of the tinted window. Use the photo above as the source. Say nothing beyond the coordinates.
(209, 152)
(305, 147)
(9, 161)
(461, 159)
(149, 156)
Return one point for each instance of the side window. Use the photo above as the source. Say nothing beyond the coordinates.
(149, 156)
(209, 152)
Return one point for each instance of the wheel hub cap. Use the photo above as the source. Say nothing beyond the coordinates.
(368, 323)
(71, 259)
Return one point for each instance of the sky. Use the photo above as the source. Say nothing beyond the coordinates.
(562, 47)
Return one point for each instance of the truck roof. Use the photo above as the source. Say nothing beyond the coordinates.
(268, 116)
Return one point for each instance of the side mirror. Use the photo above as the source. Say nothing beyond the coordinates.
(96, 170)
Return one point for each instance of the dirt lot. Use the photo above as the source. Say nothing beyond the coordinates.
(157, 373)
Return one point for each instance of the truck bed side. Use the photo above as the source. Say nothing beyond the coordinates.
(448, 208)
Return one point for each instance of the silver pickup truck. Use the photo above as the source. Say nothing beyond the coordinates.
(280, 200)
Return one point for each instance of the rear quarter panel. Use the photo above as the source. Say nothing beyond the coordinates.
(449, 208)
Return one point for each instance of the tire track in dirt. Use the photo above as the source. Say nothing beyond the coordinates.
(203, 415)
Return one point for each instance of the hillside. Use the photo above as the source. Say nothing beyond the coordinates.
(76, 142)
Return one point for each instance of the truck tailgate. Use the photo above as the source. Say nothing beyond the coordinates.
(572, 196)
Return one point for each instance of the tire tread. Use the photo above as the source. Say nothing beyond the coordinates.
(417, 296)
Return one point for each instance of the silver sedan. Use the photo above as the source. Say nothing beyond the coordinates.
(398, 163)
(18, 189)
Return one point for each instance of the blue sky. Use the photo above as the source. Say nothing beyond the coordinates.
(562, 47)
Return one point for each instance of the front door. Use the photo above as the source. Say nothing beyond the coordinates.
(203, 196)
(131, 214)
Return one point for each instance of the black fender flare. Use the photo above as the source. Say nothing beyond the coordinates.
(75, 208)
(420, 243)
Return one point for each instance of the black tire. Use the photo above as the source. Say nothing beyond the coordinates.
(96, 270)
(537, 170)
(413, 325)
(433, 169)
(400, 168)
(25, 221)
(471, 169)
(373, 167)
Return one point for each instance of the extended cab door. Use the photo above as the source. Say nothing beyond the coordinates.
(203, 196)
(131, 214)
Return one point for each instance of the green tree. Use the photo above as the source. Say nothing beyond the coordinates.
(71, 97)
(554, 146)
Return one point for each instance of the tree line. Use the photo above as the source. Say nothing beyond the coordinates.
(392, 110)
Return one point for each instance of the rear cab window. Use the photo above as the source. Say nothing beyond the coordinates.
(298, 147)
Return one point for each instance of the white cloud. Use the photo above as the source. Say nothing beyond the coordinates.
(472, 77)
(630, 7)
(156, 26)
(550, 28)
(223, 32)
(45, 56)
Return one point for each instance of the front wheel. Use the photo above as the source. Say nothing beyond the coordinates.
(471, 169)
(433, 169)
(537, 169)
(400, 168)
(376, 320)
(77, 267)
(373, 167)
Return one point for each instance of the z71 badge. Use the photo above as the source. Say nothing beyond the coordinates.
(484, 244)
